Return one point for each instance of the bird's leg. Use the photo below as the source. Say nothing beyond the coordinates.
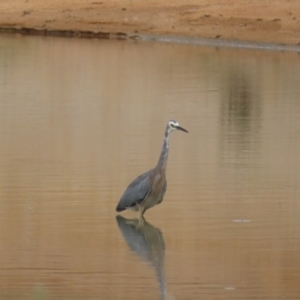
(141, 212)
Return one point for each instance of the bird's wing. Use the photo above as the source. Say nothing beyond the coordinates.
(163, 193)
(136, 192)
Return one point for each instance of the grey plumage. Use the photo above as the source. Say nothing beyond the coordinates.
(148, 189)
(136, 192)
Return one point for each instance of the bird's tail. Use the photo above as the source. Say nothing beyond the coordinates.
(119, 208)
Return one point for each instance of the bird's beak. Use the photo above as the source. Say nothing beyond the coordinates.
(182, 129)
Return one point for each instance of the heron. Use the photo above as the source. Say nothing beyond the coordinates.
(148, 189)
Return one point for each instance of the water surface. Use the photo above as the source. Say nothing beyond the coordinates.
(79, 119)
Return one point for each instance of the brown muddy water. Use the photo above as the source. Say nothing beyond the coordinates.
(79, 119)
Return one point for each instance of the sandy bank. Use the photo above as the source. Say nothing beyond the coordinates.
(254, 21)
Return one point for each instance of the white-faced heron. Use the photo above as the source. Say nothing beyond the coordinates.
(148, 189)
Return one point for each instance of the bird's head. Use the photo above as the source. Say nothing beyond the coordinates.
(174, 125)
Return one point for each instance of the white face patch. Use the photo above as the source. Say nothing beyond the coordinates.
(173, 124)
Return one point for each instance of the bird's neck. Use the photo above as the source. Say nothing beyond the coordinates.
(163, 158)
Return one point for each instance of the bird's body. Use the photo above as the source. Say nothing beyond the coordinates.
(148, 189)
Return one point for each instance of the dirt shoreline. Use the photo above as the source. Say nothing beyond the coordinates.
(276, 22)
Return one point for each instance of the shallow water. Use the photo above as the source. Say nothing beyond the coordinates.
(79, 119)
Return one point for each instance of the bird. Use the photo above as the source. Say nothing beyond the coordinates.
(148, 189)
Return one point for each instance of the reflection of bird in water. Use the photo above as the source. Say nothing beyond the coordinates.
(148, 189)
(148, 243)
